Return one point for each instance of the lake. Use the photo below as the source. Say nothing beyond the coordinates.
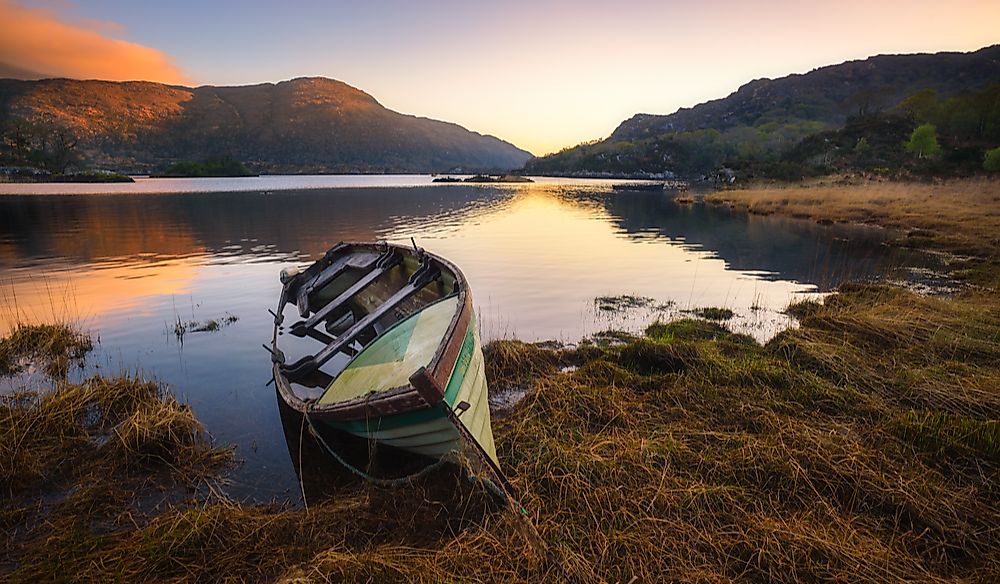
(130, 261)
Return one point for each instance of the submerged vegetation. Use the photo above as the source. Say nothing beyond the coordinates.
(715, 313)
(182, 328)
(51, 346)
(629, 301)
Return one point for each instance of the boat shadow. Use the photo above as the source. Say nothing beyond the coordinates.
(439, 501)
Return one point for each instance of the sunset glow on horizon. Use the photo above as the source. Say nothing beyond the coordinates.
(542, 75)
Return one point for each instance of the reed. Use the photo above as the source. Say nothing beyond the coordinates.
(52, 346)
(860, 447)
(958, 216)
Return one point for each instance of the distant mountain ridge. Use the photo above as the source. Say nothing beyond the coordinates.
(829, 94)
(776, 113)
(303, 125)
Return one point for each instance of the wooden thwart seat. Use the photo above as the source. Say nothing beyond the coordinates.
(334, 271)
(308, 366)
(386, 263)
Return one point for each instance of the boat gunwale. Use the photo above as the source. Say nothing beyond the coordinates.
(402, 399)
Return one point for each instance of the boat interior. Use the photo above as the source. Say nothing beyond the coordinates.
(342, 303)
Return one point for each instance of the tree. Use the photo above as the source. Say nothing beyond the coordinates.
(59, 150)
(38, 145)
(992, 161)
(923, 141)
(922, 106)
(17, 141)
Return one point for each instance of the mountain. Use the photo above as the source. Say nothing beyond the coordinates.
(303, 125)
(766, 117)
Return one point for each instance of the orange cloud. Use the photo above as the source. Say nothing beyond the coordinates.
(35, 40)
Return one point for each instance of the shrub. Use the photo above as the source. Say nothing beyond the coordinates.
(992, 160)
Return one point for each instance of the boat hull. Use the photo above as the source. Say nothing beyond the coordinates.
(429, 431)
(417, 381)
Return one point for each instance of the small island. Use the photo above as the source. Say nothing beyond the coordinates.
(42, 152)
(485, 178)
(213, 168)
(36, 175)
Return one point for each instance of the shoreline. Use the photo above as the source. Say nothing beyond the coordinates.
(959, 216)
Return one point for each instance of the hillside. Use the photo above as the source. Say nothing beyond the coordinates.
(767, 117)
(302, 125)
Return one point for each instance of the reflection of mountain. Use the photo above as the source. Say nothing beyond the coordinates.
(791, 249)
(145, 229)
(283, 222)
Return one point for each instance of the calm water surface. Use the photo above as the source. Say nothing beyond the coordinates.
(129, 264)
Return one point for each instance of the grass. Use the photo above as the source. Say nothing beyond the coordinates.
(98, 424)
(861, 446)
(52, 346)
(81, 464)
(960, 216)
(714, 313)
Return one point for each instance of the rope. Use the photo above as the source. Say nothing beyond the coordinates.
(302, 483)
(367, 477)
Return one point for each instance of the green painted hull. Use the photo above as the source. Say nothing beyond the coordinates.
(415, 379)
(429, 432)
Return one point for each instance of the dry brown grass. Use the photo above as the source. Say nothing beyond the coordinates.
(73, 432)
(52, 346)
(961, 216)
(861, 447)
(81, 461)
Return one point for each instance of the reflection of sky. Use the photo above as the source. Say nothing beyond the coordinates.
(536, 268)
(536, 256)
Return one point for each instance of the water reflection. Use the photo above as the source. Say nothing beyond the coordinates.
(176, 225)
(536, 256)
(769, 247)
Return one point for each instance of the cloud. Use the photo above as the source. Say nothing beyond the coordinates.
(35, 40)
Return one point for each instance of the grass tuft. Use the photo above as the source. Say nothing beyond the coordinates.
(52, 346)
(943, 434)
(714, 313)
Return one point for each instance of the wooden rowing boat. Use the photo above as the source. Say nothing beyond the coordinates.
(389, 347)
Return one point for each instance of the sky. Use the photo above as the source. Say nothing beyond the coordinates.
(543, 74)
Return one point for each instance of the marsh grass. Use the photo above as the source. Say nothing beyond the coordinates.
(182, 327)
(82, 461)
(959, 216)
(51, 346)
(859, 447)
(95, 430)
(714, 313)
